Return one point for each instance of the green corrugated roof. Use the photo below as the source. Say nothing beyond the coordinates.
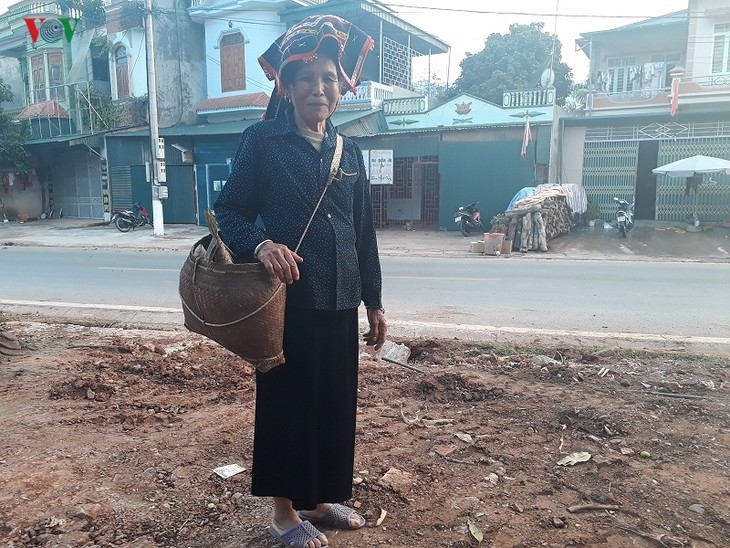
(89, 139)
(220, 128)
(236, 127)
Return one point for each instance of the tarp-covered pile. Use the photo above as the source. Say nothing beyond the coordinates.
(537, 217)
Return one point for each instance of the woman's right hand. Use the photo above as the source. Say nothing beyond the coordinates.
(280, 261)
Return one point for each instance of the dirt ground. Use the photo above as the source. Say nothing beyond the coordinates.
(110, 438)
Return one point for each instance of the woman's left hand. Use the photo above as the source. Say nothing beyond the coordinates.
(378, 328)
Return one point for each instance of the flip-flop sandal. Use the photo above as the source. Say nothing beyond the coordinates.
(298, 536)
(338, 516)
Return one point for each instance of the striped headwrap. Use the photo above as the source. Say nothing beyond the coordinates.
(302, 42)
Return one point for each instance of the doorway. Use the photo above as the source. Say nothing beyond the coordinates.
(426, 177)
(645, 205)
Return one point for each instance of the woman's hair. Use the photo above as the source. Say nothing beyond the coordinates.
(327, 48)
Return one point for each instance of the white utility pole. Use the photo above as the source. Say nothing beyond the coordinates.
(157, 174)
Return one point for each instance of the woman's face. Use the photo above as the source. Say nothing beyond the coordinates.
(314, 93)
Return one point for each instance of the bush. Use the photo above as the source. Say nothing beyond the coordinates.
(593, 211)
(499, 223)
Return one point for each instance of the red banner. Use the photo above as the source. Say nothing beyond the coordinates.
(675, 97)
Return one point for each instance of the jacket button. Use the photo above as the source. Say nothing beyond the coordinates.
(329, 215)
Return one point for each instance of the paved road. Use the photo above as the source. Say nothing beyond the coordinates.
(648, 303)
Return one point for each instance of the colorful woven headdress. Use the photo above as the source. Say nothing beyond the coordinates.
(302, 42)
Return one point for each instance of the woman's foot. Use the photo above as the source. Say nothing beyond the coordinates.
(287, 526)
(298, 534)
(334, 515)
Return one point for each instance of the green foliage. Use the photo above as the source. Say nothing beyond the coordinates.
(102, 110)
(132, 15)
(499, 223)
(435, 87)
(513, 61)
(593, 210)
(97, 109)
(13, 154)
(92, 12)
(102, 44)
(575, 102)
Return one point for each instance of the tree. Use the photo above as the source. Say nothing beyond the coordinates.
(12, 153)
(435, 87)
(513, 61)
(575, 102)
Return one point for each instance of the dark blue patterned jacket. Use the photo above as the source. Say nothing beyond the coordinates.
(279, 175)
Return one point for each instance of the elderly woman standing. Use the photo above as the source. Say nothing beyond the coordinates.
(304, 438)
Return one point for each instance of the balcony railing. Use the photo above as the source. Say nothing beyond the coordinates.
(633, 96)
(712, 81)
(368, 93)
(24, 9)
(697, 90)
(529, 98)
(405, 105)
(79, 109)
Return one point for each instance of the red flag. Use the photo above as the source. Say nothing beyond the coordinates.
(675, 97)
(526, 138)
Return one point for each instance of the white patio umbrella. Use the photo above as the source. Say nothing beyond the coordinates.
(694, 165)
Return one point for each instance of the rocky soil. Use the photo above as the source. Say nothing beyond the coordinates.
(110, 438)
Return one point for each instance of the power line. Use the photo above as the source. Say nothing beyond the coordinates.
(426, 9)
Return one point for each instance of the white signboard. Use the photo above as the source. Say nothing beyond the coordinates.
(381, 167)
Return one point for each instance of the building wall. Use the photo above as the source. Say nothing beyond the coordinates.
(571, 158)
(179, 63)
(260, 29)
(133, 41)
(487, 168)
(704, 15)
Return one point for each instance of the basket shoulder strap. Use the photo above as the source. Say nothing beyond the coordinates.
(334, 166)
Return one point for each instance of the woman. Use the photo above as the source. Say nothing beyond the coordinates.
(305, 409)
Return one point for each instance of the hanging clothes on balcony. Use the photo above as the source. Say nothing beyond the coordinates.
(635, 76)
(646, 75)
(653, 75)
(603, 81)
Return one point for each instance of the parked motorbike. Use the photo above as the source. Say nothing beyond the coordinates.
(624, 216)
(125, 219)
(469, 219)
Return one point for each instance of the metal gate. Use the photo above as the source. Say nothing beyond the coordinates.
(426, 175)
(609, 169)
(77, 184)
(611, 159)
(180, 205)
(676, 201)
(210, 180)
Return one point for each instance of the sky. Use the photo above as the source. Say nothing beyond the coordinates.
(465, 24)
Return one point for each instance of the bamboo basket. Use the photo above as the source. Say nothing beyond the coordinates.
(239, 306)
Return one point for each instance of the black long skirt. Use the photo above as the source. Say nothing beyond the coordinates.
(304, 438)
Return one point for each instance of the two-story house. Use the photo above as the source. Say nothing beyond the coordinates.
(236, 34)
(76, 75)
(438, 156)
(637, 120)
